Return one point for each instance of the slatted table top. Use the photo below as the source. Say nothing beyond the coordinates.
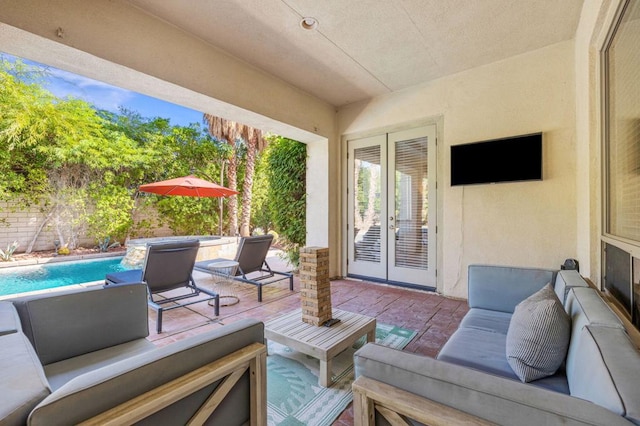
(320, 342)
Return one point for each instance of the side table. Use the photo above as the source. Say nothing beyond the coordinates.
(320, 342)
(223, 273)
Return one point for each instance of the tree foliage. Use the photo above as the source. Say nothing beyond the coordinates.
(54, 149)
(261, 215)
(83, 166)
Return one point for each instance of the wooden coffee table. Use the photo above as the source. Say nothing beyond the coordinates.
(320, 342)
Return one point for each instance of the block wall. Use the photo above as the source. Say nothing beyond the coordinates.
(22, 225)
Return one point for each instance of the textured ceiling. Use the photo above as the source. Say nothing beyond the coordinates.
(365, 48)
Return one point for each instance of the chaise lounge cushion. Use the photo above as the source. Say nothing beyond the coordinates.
(538, 336)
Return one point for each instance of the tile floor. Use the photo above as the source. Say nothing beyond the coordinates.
(434, 317)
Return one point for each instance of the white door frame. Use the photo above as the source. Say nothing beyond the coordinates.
(406, 274)
(433, 129)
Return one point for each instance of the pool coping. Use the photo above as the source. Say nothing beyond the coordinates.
(57, 259)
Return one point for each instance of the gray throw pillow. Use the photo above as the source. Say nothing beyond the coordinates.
(538, 336)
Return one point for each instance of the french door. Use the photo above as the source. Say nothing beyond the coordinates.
(391, 207)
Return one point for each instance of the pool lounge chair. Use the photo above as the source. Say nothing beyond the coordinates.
(167, 266)
(252, 265)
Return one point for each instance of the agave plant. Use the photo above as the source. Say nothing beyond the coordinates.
(105, 244)
(7, 254)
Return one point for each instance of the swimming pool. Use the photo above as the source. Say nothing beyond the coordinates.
(23, 279)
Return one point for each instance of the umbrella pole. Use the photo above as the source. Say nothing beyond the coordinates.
(220, 206)
(220, 215)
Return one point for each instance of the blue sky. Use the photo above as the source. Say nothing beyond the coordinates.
(104, 96)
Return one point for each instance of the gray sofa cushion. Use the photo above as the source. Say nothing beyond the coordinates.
(586, 307)
(607, 371)
(485, 351)
(484, 319)
(111, 316)
(9, 320)
(565, 281)
(22, 380)
(479, 349)
(538, 336)
(61, 372)
(496, 399)
(98, 390)
(501, 288)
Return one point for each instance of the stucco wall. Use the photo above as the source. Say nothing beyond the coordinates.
(524, 223)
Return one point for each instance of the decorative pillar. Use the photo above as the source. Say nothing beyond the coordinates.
(315, 288)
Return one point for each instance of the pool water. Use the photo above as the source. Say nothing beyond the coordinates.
(45, 276)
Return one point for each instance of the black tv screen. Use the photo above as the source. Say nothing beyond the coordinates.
(517, 158)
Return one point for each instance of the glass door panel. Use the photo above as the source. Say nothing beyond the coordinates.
(366, 218)
(367, 204)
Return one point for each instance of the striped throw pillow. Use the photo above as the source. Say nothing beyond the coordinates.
(538, 336)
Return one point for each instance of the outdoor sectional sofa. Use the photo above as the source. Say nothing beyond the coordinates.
(598, 383)
(75, 356)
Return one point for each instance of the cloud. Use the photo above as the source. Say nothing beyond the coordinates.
(102, 95)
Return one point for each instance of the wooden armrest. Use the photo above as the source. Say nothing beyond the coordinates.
(394, 404)
(231, 367)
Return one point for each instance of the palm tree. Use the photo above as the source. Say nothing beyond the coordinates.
(233, 133)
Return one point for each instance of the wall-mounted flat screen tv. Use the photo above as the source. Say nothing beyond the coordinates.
(512, 159)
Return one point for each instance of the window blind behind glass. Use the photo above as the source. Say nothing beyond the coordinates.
(411, 204)
(623, 95)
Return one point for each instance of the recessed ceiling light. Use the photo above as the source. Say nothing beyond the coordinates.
(309, 23)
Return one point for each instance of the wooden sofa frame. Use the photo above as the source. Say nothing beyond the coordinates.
(229, 368)
(395, 404)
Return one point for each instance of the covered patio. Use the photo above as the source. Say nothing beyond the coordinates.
(466, 72)
(477, 72)
(432, 316)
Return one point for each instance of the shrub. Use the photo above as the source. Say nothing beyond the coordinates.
(7, 254)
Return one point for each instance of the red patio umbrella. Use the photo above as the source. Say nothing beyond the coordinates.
(189, 186)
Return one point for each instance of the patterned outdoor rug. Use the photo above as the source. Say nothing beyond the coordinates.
(293, 394)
